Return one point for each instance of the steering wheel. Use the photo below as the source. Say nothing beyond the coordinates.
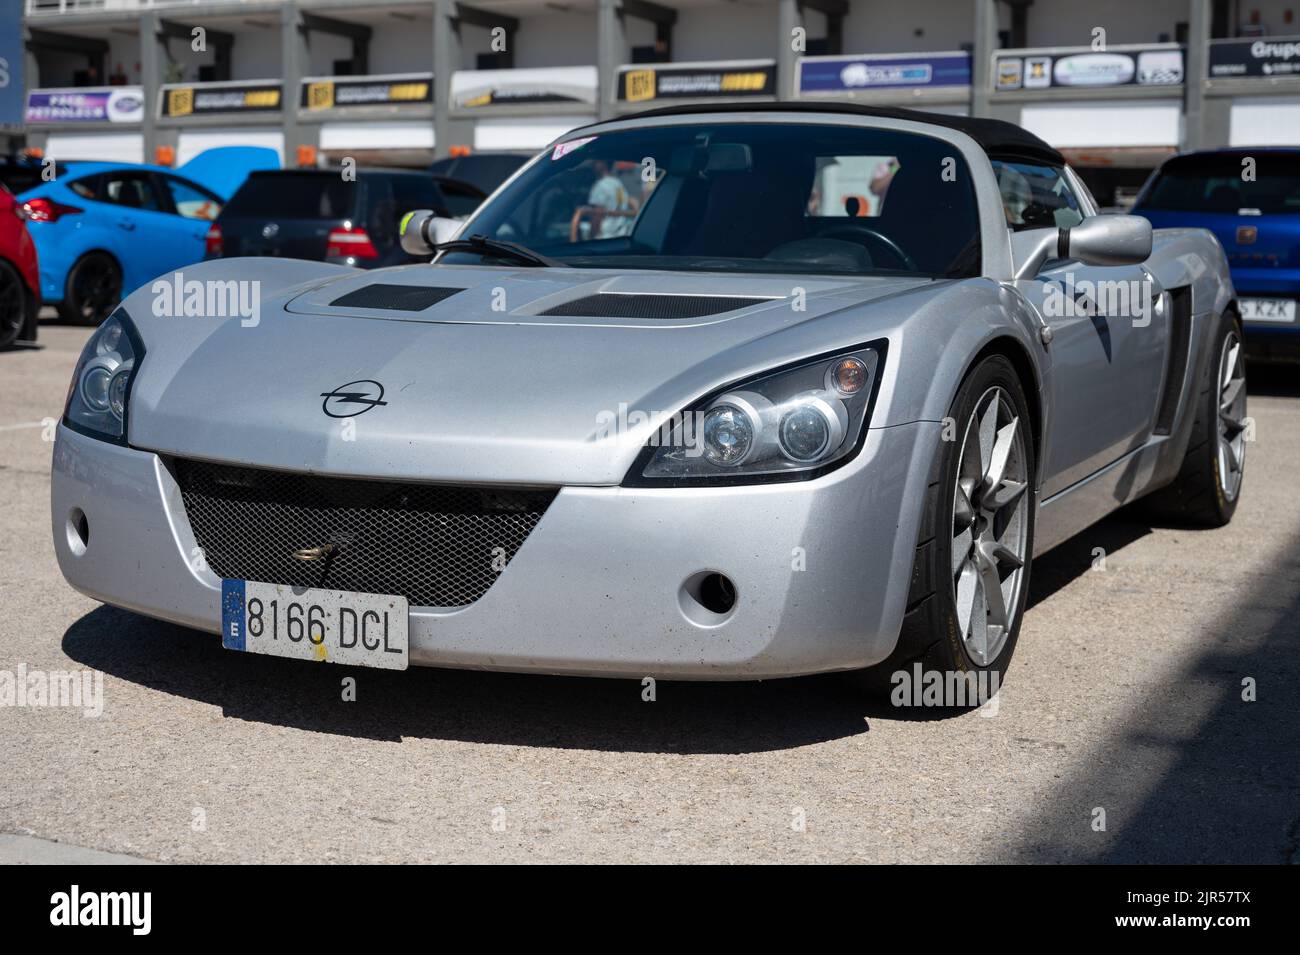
(866, 232)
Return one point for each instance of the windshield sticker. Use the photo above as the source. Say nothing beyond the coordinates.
(563, 149)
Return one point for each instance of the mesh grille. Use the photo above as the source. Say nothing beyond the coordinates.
(436, 545)
(607, 305)
(398, 298)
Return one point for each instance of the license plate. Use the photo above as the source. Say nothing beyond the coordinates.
(327, 626)
(1268, 309)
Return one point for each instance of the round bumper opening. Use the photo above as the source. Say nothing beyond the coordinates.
(78, 531)
(707, 598)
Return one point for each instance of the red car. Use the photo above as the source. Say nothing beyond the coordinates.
(19, 276)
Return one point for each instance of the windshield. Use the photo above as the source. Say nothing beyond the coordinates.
(1262, 181)
(745, 197)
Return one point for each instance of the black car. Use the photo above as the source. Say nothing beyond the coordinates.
(318, 214)
(461, 197)
(484, 170)
(20, 173)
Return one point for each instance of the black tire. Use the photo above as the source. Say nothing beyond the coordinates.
(92, 290)
(14, 305)
(931, 634)
(1200, 495)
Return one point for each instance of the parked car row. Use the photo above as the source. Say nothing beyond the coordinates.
(316, 214)
(99, 229)
(75, 235)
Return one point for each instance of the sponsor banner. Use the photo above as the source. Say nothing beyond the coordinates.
(343, 92)
(830, 75)
(638, 84)
(13, 59)
(474, 89)
(210, 99)
(115, 104)
(1120, 66)
(1274, 56)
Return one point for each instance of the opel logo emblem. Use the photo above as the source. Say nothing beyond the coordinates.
(308, 554)
(270, 230)
(352, 399)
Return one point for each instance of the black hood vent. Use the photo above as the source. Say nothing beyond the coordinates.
(396, 298)
(622, 305)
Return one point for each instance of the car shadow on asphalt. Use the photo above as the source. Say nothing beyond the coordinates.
(1275, 380)
(1204, 768)
(1062, 564)
(466, 705)
(518, 709)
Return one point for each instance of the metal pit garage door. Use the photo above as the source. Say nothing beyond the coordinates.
(194, 141)
(105, 147)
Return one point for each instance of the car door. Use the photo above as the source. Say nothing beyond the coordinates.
(152, 240)
(193, 210)
(1108, 341)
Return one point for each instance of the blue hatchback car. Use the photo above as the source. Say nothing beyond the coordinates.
(1250, 199)
(102, 227)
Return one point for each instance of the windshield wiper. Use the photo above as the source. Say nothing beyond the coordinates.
(500, 249)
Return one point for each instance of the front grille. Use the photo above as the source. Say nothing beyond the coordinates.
(436, 545)
(651, 305)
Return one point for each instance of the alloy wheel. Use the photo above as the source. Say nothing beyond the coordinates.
(13, 314)
(990, 526)
(98, 287)
(1232, 414)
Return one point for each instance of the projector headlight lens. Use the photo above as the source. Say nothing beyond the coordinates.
(728, 436)
(94, 386)
(805, 432)
(117, 392)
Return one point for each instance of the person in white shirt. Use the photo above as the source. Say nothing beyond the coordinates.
(609, 194)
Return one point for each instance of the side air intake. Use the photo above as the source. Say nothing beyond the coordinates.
(396, 298)
(614, 305)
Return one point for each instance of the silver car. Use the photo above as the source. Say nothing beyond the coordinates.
(699, 393)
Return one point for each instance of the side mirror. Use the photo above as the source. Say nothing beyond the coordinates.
(1110, 240)
(1097, 240)
(421, 230)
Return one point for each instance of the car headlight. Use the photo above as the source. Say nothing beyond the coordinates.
(790, 424)
(100, 392)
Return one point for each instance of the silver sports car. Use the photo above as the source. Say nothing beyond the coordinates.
(699, 393)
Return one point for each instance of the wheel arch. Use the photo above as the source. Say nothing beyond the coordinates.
(67, 300)
(1014, 351)
(100, 250)
(81, 257)
(31, 300)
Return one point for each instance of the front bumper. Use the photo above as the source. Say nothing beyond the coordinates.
(821, 568)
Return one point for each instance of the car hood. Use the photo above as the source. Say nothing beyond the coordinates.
(480, 386)
(223, 169)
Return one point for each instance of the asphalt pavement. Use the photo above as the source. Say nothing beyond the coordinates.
(1152, 714)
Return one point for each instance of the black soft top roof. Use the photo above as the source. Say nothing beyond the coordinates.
(996, 137)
